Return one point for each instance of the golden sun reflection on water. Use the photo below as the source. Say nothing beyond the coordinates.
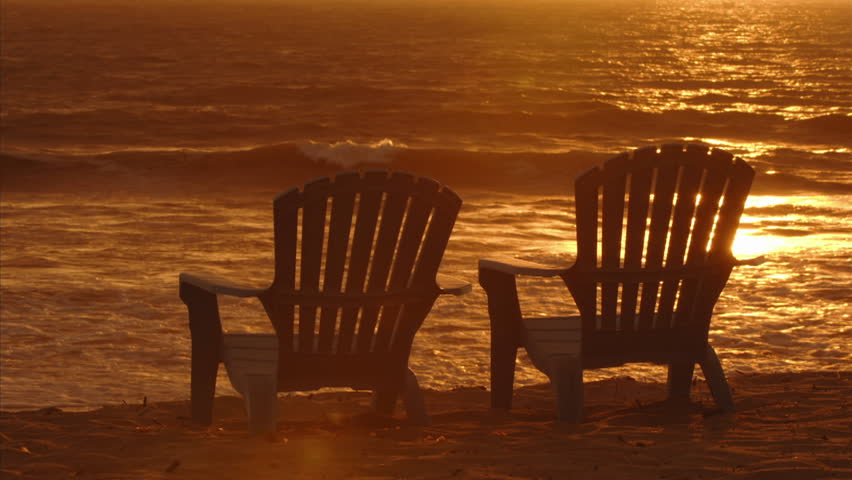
(775, 223)
(749, 244)
(771, 224)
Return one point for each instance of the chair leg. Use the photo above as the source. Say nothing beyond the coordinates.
(716, 380)
(384, 400)
(505, 314)
(680, 381)
(206, 332)
(566, 376)
(261, 403)
(503, 357)
(412, 398)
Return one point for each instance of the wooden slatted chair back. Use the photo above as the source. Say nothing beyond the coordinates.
(654, 234)
(356, 259)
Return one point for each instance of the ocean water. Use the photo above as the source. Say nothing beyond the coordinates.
(142, 139)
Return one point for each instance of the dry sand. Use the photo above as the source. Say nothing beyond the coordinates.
(788, 426)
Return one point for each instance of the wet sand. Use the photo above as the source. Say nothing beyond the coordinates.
(787, 426)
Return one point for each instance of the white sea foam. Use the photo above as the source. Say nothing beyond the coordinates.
(348, 154)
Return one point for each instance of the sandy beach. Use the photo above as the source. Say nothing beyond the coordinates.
(788, 426)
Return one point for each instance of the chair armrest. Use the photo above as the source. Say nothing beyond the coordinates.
(515, 266)
(752, 262)
(452, 286)
(218, 285)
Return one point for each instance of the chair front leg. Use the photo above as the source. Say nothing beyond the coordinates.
(206, 330)
(384, 400)
(566, 376)
(680, 381)
(412, 398)
(261, 403)
(505, 314)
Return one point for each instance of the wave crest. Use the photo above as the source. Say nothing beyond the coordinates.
(348, 153)
(284, 165)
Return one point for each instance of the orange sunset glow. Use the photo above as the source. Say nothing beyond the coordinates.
(223, 225)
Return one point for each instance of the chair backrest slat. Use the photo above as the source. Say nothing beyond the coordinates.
(586, 211)
(286, 226)
(612, 225)
(732, 208)
(312, 243)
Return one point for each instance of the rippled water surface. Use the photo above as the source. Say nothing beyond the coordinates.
(485, 74)
(141, 139)
(90, 290)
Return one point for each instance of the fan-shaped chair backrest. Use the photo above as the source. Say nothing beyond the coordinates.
(356, 257)
(654, 231)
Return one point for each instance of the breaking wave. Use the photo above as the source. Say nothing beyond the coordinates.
(781, 171)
